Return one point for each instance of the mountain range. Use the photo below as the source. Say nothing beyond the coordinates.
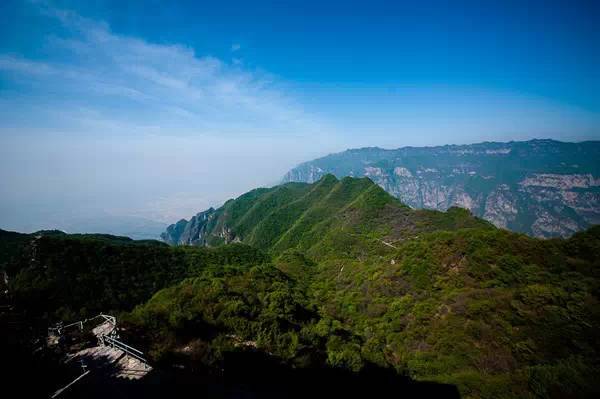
(327, 276)
(543, 188)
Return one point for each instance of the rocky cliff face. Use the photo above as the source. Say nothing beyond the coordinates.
(192, 231)
(543, 188)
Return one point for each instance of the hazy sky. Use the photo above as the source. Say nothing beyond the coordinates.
(160, 109)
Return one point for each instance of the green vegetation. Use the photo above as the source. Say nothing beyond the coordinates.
(349, 277)
(487, 310)
(224, 309)
(308, 217)
(69, 277)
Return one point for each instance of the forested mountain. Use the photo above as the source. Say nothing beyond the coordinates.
(438, 296)
(310, 217)
(543, 188)
(336, 275)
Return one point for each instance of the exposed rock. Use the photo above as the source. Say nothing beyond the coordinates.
(541, 187)
(371, 171)
(402, 172)
(192, 232)
(501, 207)
(464, 200)
(311, 175)
(563, 182)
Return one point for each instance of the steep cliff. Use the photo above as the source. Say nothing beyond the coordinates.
(544, 188)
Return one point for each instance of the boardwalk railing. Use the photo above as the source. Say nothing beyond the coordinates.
(104, 338)
(60, 328)
(61, 390)
(130, 351)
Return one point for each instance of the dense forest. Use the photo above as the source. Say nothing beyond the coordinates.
(337, 275)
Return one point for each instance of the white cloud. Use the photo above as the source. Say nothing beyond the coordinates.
(111, 124)
(130, 79)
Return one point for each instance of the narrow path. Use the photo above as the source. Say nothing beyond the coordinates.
(388, 244)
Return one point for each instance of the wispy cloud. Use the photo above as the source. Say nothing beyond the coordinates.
(235, 47)
(130, 79)
(107, 123)
(10, 63)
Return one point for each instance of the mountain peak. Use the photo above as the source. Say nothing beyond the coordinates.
(305, 216)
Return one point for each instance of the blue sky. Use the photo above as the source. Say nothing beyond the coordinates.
(158, 109)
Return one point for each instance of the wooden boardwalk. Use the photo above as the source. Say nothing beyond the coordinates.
(110, 356)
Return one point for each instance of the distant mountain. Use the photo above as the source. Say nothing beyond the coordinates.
(311, 217)
(543, 188)
(93, 222)
(134, 227)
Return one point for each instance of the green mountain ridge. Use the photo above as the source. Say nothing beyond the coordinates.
(301, 216)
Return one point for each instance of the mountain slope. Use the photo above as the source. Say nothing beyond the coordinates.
(493, 312)
(543, 188)
(497, 313)
(69, 276)
(349, 279)
(305, 216)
